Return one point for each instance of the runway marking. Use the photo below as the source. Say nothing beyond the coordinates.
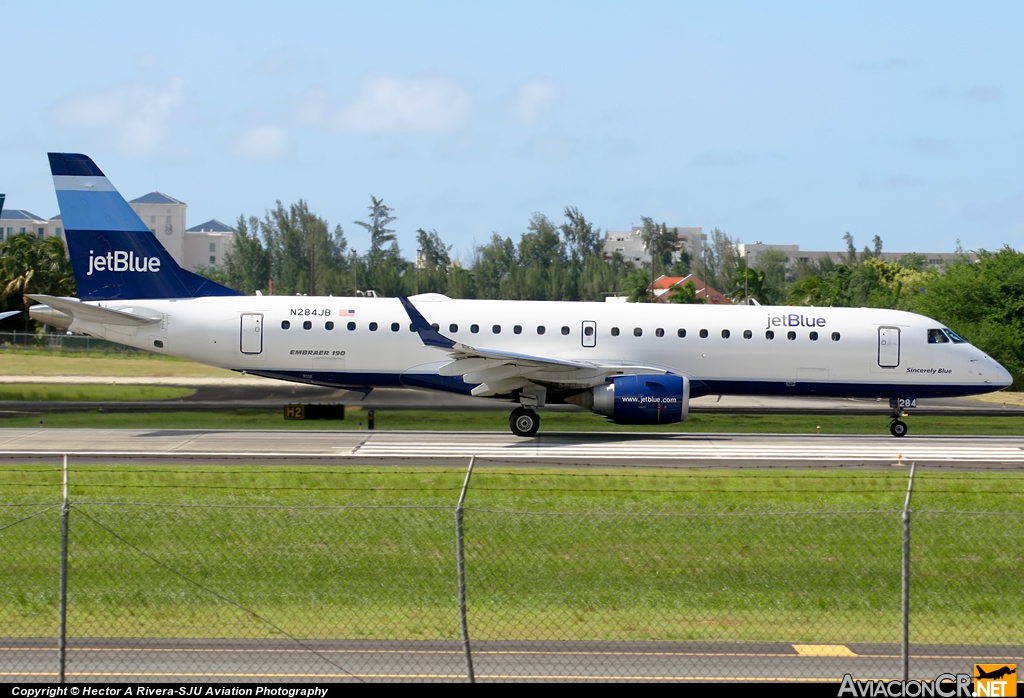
(823, 651)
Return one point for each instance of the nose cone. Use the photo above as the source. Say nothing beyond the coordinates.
(1002, 377)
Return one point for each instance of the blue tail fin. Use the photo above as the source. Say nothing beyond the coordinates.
(113, 254)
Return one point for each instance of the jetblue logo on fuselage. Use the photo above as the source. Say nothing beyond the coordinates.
(119, 260)
(794, 320)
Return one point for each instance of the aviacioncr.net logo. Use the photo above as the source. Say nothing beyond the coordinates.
(119, 260)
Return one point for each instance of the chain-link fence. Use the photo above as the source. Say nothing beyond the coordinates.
(207, 574)
(62, 342)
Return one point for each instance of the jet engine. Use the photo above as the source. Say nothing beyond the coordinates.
(639, 399)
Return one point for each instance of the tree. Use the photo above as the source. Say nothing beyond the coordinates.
(305, 257)
(492, 267)
(637, 286)
(983, 302)
(686, 293)
(432, 262)
(247, 264)
(31, 265)
(384, 264)
(772, 264)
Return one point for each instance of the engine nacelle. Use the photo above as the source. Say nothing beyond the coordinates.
(640, 399)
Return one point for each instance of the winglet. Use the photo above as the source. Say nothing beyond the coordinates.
(429, 336)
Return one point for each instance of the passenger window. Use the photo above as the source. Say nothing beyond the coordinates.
(588, 331)
(496, 329)
(659, 332)
(769, 334)
(835, 336)
(373, 326)
(747, 334)
(328, 325)
(637, 332)
(680, 333)
(703, 334)
(518, 329)
(791, 335)
(285, 324)
(351, 326)
(726, 334)
(435, 326)
(412, 327)
(307, 325)
(813, 336)
(394, 327)
(565, 330)
(541, 329)
(615, 332)
(474, 328)
(453, 328)
(937, 337)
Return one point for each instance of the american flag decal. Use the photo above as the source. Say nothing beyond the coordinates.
(347, 313)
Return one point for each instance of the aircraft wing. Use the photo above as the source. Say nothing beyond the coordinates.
(500, 371)
(84, 312)
(9, 313)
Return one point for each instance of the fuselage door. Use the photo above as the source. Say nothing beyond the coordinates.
(589, 336)
(888, 347)
(252, 333)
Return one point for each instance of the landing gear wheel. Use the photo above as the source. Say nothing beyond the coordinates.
(524, 422)
(898, 428)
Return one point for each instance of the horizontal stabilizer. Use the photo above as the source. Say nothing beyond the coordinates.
(83, 312)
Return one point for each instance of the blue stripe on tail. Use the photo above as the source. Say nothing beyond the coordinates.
(113, 254)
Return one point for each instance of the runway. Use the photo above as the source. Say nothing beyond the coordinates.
(547, 449)
(115, 660)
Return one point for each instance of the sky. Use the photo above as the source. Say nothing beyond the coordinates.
(786, 123)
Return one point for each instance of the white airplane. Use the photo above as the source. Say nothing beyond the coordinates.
(633, 363)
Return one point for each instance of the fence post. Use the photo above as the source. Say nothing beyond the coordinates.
(905, 582)
(460, 557)
(64, 510)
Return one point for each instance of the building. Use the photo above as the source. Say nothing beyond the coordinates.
(193, 248)
(794, 255)
(630, 244)
(16, 221)
(663, 287)
(165, 217)
(206, 244)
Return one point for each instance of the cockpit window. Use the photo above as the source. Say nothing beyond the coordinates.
(957, 339)
(937, 337)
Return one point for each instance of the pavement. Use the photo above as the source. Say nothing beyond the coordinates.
(263, 661)
(256, 393)
(547, 449)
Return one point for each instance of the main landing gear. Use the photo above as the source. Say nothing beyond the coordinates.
(897, 427)
(524, 421)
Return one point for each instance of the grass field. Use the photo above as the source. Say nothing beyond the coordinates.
(318, 552)
(28, 362)
(89, 393)
(487, 420)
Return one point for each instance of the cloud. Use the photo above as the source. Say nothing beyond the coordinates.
(984, 93)
(136, 118)
(391, 105)
(531, 99)
(266, 142)
(931, 146)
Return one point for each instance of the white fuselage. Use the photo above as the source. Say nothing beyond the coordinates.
(725, 350)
